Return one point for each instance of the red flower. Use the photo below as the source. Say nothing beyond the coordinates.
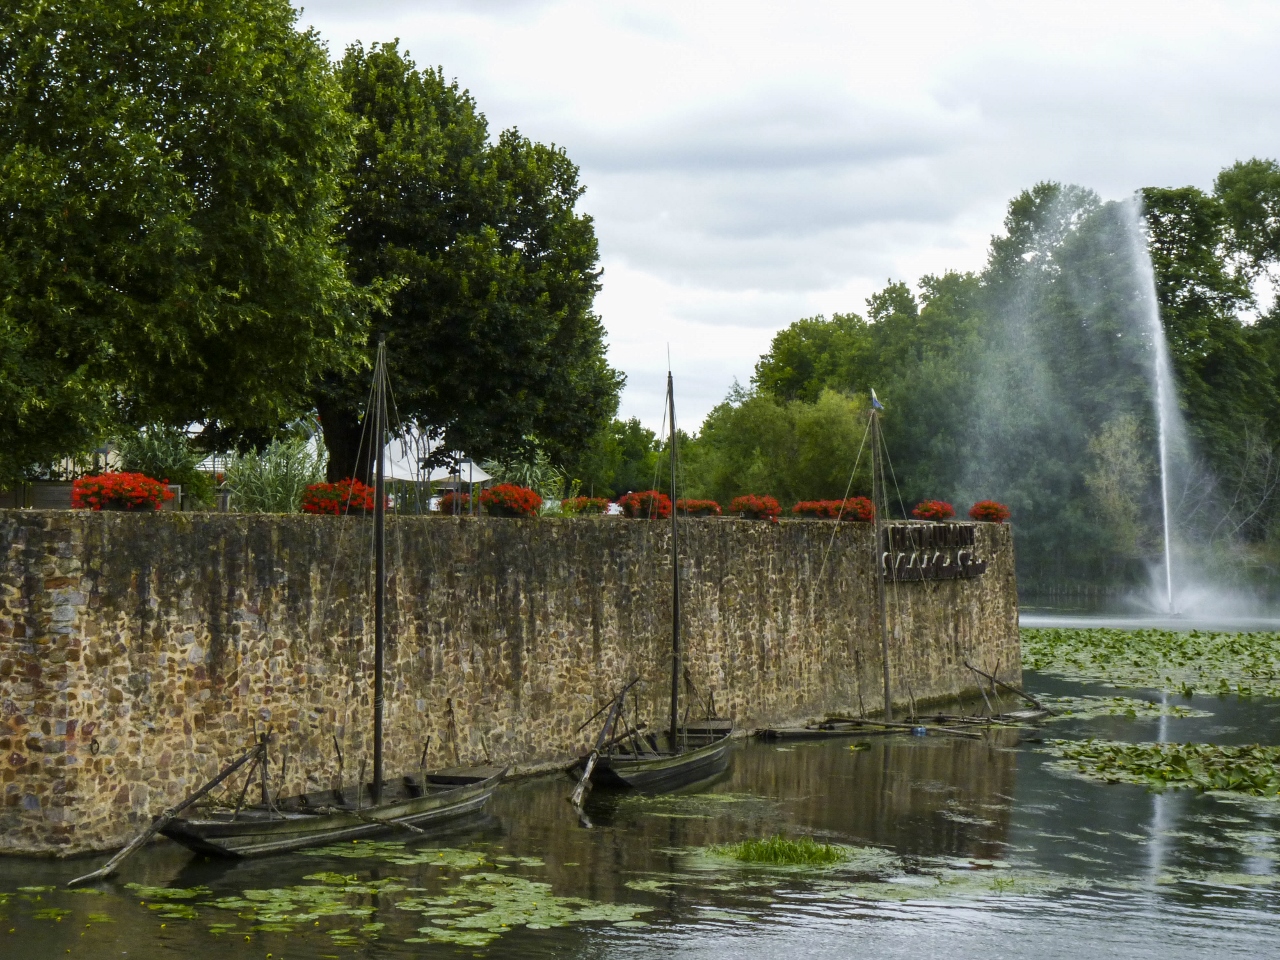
(989, 511)
(858, 509)
(339, 498)
(132, 491)
(646, 505)
(509, 500)
(454, 502)
(933, 510)
(752, 507)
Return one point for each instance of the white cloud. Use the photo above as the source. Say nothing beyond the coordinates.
(749, 163)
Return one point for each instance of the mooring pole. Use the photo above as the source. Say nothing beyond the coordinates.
(675, 573)
(878, 501)
(379, 561)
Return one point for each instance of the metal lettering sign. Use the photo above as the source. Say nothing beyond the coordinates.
(930, 551)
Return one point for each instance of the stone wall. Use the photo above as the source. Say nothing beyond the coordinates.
(138, 653)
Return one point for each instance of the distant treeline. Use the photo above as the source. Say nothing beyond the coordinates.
(1032, 383)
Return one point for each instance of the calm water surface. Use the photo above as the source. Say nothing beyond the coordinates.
(967, 848)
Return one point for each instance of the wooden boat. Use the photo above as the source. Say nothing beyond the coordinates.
(321, 818)
(408, 804)
(685, 752)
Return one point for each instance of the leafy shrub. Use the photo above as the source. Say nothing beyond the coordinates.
(859, 509)
(509, 500)
(752, 507)
(584, 506)
(274, 480)
(161, 451)
(345, 496)
(128, 491)
(989, 511)
(646, 505)
(933, 510)
(453, 501)
(698, 508)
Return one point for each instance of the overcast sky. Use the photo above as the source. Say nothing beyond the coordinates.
(748, 164)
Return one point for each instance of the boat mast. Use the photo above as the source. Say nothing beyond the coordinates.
(879, 501)
(675, 572)
(379, 557)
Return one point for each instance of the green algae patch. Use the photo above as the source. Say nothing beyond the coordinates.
(483, 906)
(1249, 770)
(695, 806)
(1185, 662)
(1087, 707)
(780, 851)
(402, 855)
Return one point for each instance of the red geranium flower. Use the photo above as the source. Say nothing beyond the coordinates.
(989, 511)
(646, 505)
(933, 510)
(131, 491)
(752, 507)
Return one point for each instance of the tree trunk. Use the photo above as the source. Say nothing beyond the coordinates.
(342, 438)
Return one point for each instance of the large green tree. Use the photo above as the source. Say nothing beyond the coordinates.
(169, 192)
(492, 342)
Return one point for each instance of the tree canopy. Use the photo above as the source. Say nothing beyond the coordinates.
(170, 189)
(1032, 381)
(492, 342)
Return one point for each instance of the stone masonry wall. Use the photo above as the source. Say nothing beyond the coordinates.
(139, 653)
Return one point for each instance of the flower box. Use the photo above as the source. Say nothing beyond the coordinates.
(646, 505)
(855, 509)
(134, 492)
(510, 500)
(936, 510)
(338, 499)
(753, 507)
(989, 511)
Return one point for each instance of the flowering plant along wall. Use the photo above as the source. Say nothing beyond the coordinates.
(933, 510)
(989, 511)
(752, 507)
(698, 508)
(336, 499)
(510, 500)
(859, 509)
(646, 505)
(119, 491)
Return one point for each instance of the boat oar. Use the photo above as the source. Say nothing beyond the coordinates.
(160, 822)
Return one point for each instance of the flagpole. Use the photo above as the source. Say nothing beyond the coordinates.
(878, 500)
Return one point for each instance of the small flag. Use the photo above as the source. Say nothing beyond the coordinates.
(875, 402)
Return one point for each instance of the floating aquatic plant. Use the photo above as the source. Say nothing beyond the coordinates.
(1180, 661)
(1249, 770)
(780, 851)
(483, 906)
(1086, 707)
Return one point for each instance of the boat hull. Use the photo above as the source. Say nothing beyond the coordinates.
(663, 771)
(257, 833)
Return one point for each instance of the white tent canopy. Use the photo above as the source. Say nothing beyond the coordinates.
(404, 462)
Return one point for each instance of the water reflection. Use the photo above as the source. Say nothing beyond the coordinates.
(980, 844)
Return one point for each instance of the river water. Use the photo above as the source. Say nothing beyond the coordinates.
(963, 848)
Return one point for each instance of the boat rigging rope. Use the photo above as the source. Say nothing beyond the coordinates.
(848, 487)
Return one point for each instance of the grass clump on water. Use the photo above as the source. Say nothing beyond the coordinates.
(780, 851)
